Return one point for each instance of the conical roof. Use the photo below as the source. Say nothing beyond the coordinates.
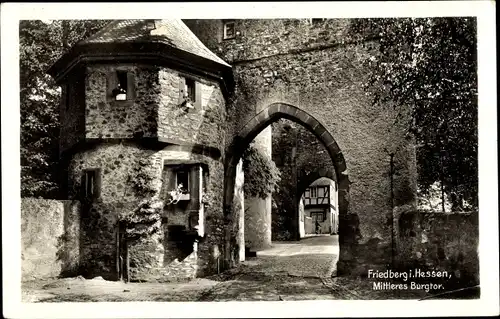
(172, 32)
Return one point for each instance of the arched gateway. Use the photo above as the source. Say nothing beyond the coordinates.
(259, 122)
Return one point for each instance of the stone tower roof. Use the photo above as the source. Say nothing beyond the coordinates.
(164, 42)
(172, 32)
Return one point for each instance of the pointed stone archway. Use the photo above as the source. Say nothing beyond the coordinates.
(241, 141)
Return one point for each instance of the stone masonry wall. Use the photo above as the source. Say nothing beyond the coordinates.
(116, 163)
(117, 130)
(50, 235)
(444, 242)
(106, 118)
(298, 154)
(155, 111)
(205, 125)
(214, 225)
(263, 38)
(318, 67)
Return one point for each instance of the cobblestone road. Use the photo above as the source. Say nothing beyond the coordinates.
(310, 257)
(286, 271)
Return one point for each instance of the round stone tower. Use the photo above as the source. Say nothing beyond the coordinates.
(143, 114)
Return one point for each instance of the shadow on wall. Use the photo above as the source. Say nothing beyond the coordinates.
(356, 258)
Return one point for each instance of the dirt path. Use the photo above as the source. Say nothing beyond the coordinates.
(82, 290)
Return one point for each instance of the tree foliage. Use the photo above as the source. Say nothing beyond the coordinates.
(41, 44)
(430, 66)
(261, 174)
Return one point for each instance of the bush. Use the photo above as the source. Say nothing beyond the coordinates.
(261, 174)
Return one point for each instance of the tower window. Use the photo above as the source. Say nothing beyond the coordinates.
(182, 180)
(90, 183)
(229, 30)
(190, 94)
(191, 89)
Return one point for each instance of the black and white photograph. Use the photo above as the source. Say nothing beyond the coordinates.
(198, 158)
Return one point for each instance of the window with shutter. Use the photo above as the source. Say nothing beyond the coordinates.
(229, 30)
(190, 89)
(121, 86)
(190, 93)
(182, 180)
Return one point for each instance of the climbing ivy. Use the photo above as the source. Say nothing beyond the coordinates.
(144, 219)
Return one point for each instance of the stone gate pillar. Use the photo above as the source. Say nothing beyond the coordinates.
(257, 210)
(239, 208)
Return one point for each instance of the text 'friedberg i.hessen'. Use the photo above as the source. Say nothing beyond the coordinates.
(409, 279)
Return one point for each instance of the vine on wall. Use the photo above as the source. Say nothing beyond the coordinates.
(261, 174)
(144, 219)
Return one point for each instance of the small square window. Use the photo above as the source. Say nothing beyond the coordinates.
(90, 183)
(191, 89)
(120, 92)
(229, 30)
(317, 20)
(318, 216)
(182, 180)
(314, 192)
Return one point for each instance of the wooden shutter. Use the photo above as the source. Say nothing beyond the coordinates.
(112, 83)
(170, 180)
(130, 86)
(82, 184)
(97, 183)
(198, 95)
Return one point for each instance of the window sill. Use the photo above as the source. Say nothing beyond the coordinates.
(184, 197)
(114, 102)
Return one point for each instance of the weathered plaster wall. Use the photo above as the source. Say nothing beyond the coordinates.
(319, 68)
(258, 210)
(239, 209)
(50, 235)
(302, 226)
